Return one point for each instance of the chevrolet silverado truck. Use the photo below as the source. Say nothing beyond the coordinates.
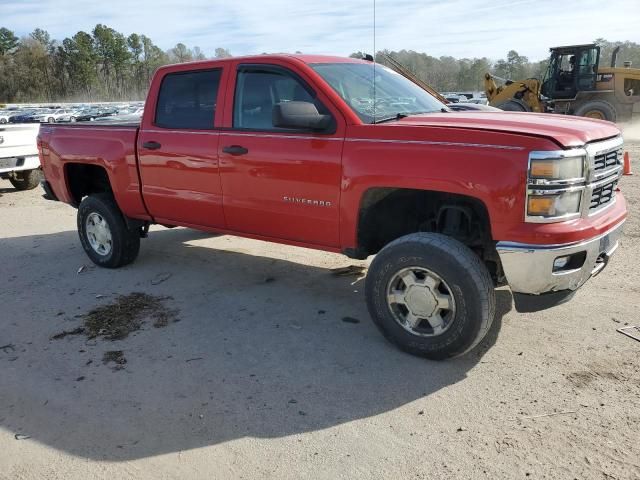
(345, 155)
(19, 162)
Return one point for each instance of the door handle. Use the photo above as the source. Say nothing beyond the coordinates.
(235, 150)
(151, 145)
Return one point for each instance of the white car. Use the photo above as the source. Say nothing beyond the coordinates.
(4, 117)
(60, 115)
(19, 162)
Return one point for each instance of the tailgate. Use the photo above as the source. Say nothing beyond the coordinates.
(18, 140)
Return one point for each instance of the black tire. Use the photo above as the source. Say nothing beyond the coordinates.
(464, 273)
(513, 106)
(27, 179)
(597, 109)
(3, 120)
(51, 120)
(125, 243)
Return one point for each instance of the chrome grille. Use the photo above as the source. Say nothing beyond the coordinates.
(607, 160)
(602, 195)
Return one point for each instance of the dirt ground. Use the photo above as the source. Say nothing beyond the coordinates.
(257, 374)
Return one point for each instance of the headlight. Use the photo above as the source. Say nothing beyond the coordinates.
(557, 169)
(555, 186)
(547, 205)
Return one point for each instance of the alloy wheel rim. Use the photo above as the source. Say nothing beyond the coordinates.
(98, 234)
(421, 302)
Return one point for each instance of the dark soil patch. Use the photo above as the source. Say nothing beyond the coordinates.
(64, 333)
(127, 314)
(116, 357)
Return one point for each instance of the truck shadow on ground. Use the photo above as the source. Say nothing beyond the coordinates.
(260, 350)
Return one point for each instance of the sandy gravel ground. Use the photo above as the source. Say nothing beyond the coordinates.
(262, 378)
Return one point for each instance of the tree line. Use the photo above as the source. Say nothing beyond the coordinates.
(102, 65)
(106, 65)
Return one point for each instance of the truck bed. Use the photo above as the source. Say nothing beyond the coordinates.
(106, 147)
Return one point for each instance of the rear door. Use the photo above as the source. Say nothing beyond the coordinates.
(279, 183)
(178, 148)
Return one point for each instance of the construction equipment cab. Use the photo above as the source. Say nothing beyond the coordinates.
(571, 70)
(574, 84)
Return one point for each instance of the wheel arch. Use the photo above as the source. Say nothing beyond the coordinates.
(387, 213)
(84, 179)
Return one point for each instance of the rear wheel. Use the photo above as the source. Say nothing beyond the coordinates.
(104, 234)
(27, 179)
(430, 295)
(600, 110)
(51, 120)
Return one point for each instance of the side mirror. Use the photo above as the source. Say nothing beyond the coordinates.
(299, 115)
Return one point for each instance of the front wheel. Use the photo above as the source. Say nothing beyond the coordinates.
(104, 234)
(26, 179)
(430, 295)
(599, 109)
(514, 105)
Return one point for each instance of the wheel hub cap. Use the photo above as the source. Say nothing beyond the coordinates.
(421, 301)
(98, 234)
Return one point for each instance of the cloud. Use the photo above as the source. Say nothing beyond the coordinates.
(460, 28)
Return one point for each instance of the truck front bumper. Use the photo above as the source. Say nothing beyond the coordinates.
(549, 274)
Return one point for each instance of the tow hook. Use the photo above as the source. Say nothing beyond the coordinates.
(601, 262)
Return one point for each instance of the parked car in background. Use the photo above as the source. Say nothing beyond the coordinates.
(4, 116)
(59, 115)
(95, 113)
(478, 101)
(25, 116)
(19, 162)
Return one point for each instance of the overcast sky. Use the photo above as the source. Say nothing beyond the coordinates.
(460, 28)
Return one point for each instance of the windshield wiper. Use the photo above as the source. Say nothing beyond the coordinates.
(400, 115)
(397, 116)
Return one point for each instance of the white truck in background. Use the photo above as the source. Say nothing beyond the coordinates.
(19, 162)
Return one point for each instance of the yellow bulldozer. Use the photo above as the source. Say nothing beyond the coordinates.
(574, 84)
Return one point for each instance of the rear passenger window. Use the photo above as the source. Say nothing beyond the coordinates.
(188, 100)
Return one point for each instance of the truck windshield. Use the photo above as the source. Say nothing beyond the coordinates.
(395, 96)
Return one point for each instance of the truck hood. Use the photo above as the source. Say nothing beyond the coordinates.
(567, 131)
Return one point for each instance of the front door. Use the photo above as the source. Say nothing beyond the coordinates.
(178, 151)
(279, 183)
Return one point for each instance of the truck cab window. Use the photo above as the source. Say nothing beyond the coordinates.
(257, 91)
(187, 100)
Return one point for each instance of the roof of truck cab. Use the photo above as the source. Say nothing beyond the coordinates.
(309, 59)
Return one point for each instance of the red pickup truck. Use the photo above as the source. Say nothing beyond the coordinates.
(312, 151)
